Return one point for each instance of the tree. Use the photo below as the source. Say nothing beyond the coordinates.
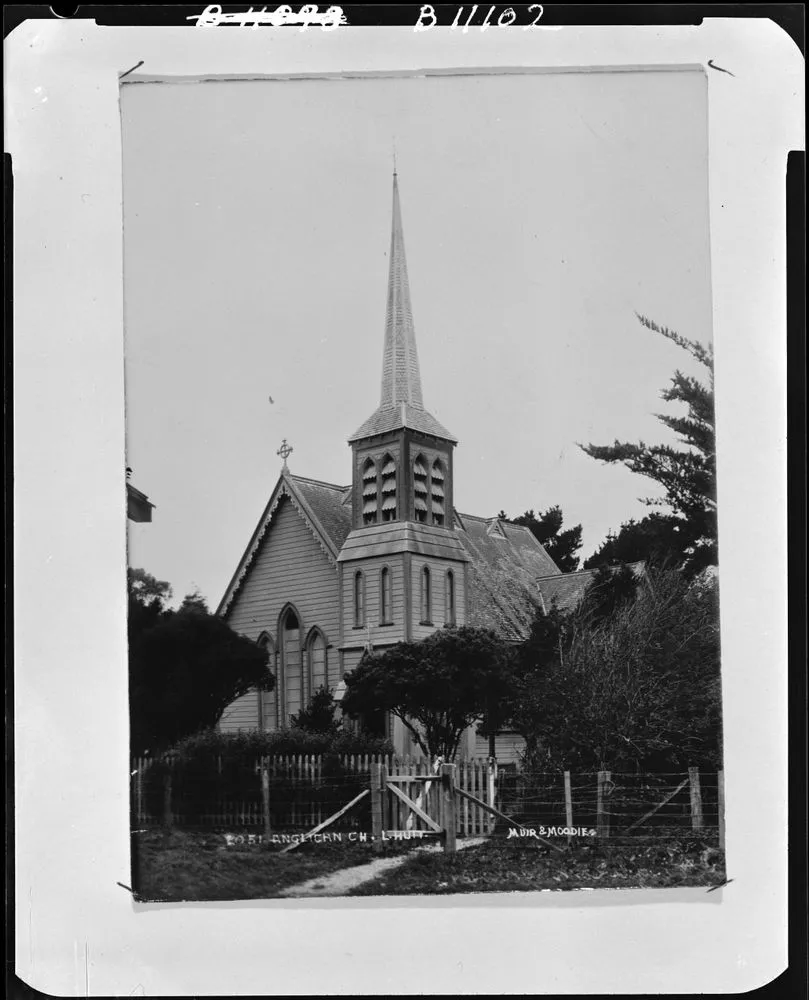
(638, 690)
(687, 474)
(438, 687)
(146, 589)
(195, 602)
(546, 527)
(609, 590)
(657, 539)
(185, 667)
(521, 703)
(318, 715)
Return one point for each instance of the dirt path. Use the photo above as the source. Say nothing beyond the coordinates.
(341, 882)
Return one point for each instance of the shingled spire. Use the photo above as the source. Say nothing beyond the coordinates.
(401, 379)
(401, 403)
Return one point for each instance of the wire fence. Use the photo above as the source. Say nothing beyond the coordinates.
(298, 793)
(622, 807)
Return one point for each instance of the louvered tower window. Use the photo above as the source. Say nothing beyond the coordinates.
(421, 492)
(388, 489)
(437, 499)
(369, 493)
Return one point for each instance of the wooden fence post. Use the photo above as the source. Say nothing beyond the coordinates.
(492, 791)
(378, 786)
(568, 804)
(602, 816)
(449, 815)
(265, 796)
(720, 805)
(696, 798)
(168, 818)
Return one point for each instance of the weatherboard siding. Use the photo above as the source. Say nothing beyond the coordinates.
(240, 714)
(290, 568)
(508, 747)
(371, 569)
(438, 570)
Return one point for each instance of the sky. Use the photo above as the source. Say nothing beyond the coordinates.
(540, 212)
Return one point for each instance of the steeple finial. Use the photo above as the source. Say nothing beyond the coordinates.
(401, 378)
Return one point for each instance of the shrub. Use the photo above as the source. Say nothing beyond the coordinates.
(212, 767)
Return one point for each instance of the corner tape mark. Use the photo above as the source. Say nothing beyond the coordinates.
(124, 886)
(130, 70)
(721, 884)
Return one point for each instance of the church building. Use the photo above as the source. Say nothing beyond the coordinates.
(333, 570)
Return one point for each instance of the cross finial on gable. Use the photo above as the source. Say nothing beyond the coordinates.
(285, 451)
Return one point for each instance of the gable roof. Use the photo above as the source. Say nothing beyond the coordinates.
(323, 511)
(329, 507)
(507, 561)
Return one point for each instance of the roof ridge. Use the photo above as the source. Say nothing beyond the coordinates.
(555, 576)
(318, 482)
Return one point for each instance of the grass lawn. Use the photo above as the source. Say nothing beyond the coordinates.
(502, 865)
(184, 865)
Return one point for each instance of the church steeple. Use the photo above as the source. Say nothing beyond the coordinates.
(401, 378)
(401, 404)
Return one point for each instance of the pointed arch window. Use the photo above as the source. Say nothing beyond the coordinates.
(318, 666)
(385, 597)
(359, 599)
(388, 489)
(369, 493)
(426, 597)
(437, 499)
(290, 638)
(449, 598)
(421, 491)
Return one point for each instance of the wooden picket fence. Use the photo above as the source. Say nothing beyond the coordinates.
(303, 774)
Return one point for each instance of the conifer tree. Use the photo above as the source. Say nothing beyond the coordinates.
(687, 473)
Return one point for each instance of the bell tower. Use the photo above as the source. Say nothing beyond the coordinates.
(403, 568)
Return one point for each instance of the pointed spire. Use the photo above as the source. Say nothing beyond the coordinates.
(401, 403)
(401, 379)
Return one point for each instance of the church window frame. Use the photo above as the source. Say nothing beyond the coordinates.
(449, 598)
(385, 596)
(359, 599)
(284, 672)
(315, 635)
(426, 596)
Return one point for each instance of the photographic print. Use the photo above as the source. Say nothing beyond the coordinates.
(421, 474)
